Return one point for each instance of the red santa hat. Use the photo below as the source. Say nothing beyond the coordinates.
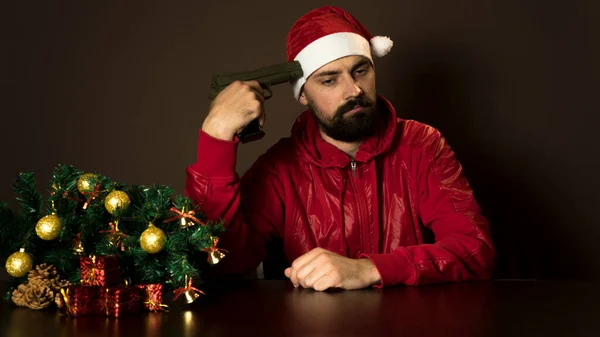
(326, 34)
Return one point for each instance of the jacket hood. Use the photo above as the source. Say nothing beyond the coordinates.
(313, 148)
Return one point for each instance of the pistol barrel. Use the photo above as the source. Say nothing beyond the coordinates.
(266, 76)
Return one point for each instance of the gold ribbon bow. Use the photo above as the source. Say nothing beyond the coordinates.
(154, 297)
(115, 236)
(65, 296)
(182, 215)
(153, 304)
(90, 276)
(91, 195)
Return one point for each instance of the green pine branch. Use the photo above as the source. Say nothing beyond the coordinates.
(63, 186)
(9, 230)
(184, 252)
(28, 197)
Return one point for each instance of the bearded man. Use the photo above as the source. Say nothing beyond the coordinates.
(352, 193)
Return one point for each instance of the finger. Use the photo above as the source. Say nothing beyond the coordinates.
(294, 277)
(311, 279)
(305, 272)
(255, 86)
(262, 119)
(259, 95)
(254, 110)
(314, 268)
(287, 272)
(307, 257)
(323, 283)
(301, 261)
(320, 266)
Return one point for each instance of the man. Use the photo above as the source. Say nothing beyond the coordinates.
(351, 193)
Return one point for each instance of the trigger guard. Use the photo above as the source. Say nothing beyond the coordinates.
(268, 89)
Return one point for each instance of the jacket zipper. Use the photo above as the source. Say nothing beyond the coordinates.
(362, 220)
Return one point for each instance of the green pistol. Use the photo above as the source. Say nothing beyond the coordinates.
(267, 77)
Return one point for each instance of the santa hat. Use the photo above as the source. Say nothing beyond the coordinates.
(326, 34)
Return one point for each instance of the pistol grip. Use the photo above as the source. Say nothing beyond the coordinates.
(251, 132)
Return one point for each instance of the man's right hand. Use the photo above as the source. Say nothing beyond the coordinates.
(233, 108)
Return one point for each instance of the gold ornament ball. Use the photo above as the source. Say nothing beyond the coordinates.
(19, 264)
(85, 183)
(153, 239)
(116, 200)
(48, 227)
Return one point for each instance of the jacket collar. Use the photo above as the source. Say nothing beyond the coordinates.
(316, 150)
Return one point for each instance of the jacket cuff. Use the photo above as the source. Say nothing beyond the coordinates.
(394, 268)
(216, 157)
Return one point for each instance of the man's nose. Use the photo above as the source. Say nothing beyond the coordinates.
(352, 90)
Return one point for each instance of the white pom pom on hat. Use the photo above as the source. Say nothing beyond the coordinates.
(381, 45)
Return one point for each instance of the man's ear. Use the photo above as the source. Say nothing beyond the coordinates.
(302, 99)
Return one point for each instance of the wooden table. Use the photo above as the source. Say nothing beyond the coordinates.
(275, 308)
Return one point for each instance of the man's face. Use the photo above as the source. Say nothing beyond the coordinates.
(342, 97)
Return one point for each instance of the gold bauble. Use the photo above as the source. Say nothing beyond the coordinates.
(85, 183)
(116, 200)
(19, 264)
(48, 227)
(153, 239)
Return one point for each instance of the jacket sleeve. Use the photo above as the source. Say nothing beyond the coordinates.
(463, 248)
(250, 207)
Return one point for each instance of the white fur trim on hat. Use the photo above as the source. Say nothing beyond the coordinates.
(326, 49)
(381, 45)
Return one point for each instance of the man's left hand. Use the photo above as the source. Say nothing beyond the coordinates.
(321, 269)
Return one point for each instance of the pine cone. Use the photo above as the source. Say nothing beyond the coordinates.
(42, 288)
(40, 281)
(18, 294)
(57, 284)
(47, 275)
(38, 296)
(44, 271)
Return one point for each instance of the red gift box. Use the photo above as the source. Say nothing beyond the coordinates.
(118, 301)
(104, 301)
(152, 297)
(102, 270)
(79, 300)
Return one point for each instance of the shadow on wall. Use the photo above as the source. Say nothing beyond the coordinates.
(446, 88)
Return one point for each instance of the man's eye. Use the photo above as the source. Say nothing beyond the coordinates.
(327, 82)
(361, 71)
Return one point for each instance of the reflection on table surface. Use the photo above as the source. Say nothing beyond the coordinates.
(276, 308)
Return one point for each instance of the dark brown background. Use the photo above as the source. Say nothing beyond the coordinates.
(120, 88)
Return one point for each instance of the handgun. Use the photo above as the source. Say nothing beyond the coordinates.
(267, 77)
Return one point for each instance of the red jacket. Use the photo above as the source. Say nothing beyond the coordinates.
(310, 194)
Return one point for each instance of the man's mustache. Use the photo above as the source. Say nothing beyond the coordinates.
(357, 102)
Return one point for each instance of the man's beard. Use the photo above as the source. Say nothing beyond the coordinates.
(360, 125)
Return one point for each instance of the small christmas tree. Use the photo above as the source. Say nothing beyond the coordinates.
(157, 238)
